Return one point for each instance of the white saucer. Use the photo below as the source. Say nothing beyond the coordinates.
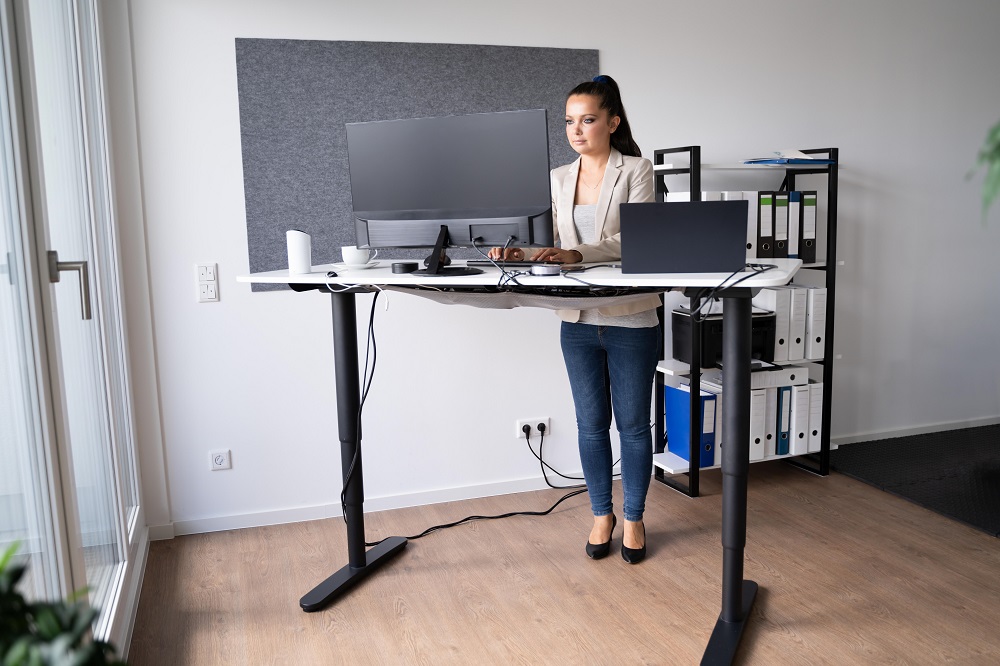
(362, 267)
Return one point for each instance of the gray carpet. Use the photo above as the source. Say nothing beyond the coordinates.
(955, 473)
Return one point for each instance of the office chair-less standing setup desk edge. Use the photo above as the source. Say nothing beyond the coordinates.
(737, 594)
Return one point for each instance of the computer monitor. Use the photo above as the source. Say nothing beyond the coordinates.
(454, 181)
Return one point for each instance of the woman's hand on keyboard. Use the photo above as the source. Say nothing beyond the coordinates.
(557, 254)
(511, 254)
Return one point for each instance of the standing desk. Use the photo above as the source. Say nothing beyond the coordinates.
(737, 594)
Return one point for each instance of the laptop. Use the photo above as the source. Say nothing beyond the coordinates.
(684, 237)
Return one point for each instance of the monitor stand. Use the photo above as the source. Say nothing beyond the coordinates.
(437, 263)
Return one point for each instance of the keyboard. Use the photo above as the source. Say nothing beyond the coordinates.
(513, 264)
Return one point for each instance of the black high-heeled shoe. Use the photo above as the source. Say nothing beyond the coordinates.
(635, 555)
(599, 550)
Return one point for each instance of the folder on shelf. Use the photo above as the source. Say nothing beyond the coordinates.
(780, 225)
(770, 422)
(784, 420)
(779, 302)
(719, 441)
(815, 323)
(815, 416)
(711, 196)
(752, 213)
(799, 421)
(794, 224)
(765, 225)
(677, 408)
(758, 416)
(807, 244)
(796, 323)
(678, 196)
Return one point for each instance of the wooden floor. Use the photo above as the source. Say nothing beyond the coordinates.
(848, 575)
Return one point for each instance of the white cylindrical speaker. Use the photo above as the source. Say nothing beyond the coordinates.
(299, 252)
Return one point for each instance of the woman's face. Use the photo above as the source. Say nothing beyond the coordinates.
(588, 126)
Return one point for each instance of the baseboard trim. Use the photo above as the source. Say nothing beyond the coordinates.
(918, 430)
(161, 532)
(423, 498)
(372, 504)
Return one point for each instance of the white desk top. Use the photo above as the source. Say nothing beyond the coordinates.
(382, 275)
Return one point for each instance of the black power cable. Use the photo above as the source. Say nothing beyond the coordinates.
(371, 348)
(366, 384)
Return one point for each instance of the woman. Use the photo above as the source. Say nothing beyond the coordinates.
(616, 344)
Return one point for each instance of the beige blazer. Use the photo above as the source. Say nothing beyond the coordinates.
(626, 180)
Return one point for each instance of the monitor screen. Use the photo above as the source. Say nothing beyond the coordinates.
(484, 177)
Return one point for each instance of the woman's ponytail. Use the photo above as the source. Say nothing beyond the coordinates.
(606, 90)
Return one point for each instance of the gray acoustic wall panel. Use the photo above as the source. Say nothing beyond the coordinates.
(296, 96)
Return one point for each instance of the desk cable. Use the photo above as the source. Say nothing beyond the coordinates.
(756, 269)
(506, 276)
(576, 490)
(366, 384)
(526, 429)
(371, 348)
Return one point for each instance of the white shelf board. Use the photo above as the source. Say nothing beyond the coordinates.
(672, 366)
(674, 464)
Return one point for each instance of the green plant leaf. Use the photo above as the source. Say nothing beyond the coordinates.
(17, 654)
(45, 633)
(989, 157)
(991, 186)
(8, 555)
(993, 137)
(47, 622)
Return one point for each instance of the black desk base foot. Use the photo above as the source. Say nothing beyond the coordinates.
(726, 637)
(339, 583)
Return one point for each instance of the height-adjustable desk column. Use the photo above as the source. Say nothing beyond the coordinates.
(737, 594)
(360, 562)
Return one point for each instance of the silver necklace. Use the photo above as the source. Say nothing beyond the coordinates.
(588, 184)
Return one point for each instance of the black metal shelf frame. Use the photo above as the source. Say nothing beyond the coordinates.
(816, 463)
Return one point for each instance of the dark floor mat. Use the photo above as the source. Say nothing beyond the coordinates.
(955, 473)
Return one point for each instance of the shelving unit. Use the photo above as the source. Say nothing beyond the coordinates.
(665, 462)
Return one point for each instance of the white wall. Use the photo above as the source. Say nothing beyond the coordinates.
(905, 89)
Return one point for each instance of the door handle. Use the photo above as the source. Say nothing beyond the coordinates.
(55, 266)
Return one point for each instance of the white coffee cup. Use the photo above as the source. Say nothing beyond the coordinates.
(355, 257)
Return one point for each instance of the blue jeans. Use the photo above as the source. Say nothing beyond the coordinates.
(629, 357)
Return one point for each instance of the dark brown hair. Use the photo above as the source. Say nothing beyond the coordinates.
(605, 89)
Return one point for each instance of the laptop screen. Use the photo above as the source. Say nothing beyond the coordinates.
(684, 237)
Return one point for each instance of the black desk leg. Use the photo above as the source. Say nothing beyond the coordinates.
(737, 594)
(360, 562)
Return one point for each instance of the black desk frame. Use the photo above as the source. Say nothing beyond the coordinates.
(738, 595)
